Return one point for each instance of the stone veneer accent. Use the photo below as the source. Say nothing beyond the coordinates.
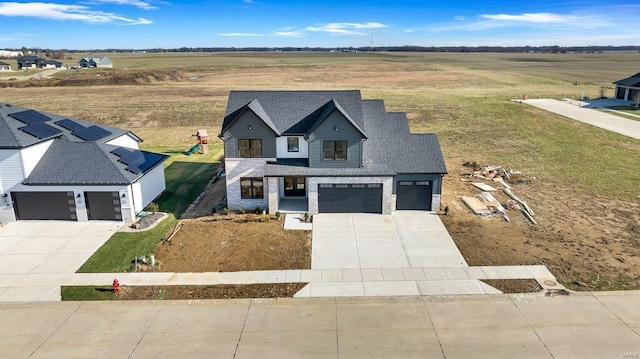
(435, 202)
(274, 195)
(387, 189)
(235, 168)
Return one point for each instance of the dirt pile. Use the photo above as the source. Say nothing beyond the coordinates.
(102, 78)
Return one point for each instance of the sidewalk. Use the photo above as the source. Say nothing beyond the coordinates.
(366, 282)
(585, 325)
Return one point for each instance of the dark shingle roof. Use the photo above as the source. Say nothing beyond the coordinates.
(632, 81)
(69, 160)
(12, 137)
(389, 150)
(290, 110)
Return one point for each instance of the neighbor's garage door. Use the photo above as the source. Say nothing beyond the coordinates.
(350, 198)
(414, 195)
(103, 206)
(45, 205)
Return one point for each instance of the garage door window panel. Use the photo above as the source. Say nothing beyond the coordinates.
(334, 150)
(250, 148)
(251, 188)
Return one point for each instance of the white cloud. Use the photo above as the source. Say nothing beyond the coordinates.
(289, 33)
(537, 18)
(66, 12)
(137, 3)
(238, 34)
(460, 18)
(346, 28)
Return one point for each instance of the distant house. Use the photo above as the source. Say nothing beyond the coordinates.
(51, 64)
(56, 168)
(5, 66)
(95, 62)
(35, 62)
(30, 62)
(628, 89)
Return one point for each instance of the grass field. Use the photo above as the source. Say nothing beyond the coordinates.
(580, 172)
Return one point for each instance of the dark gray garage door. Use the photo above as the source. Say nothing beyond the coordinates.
(103, 206)
(414, 195)
(350, 198)
(45, 205)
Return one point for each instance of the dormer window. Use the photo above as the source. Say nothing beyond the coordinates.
(293, 144)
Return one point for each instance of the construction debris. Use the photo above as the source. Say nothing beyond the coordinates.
(486, 204)
(484, 187)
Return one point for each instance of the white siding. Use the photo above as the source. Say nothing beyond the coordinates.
(10, 169)
(32, 155)
(281, 148)
(125, 140)
(150, 186)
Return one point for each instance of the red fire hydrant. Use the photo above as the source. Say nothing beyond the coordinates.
(116, 286)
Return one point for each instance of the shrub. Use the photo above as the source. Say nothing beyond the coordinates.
(226, 210)
(153, 207)
(264, 218)
(278, 215)
(306, 217)
(242, 210)
(258, 210)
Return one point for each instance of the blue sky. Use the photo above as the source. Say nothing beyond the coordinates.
(132, 24)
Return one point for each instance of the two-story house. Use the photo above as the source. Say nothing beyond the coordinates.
(326, 151)
(95, 62)
(53, 167)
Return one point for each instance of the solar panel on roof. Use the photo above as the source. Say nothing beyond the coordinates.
(148, 160)
(132, 157)
(70, 125)
(121, 151)
(30, 117)
(41, 130)
(92, 133)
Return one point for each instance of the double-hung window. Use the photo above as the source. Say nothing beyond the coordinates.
(334, 150)
(251, 188)
(293, 144)
(250, 148)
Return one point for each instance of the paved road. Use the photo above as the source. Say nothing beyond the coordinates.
(589, 325)
(590, 116)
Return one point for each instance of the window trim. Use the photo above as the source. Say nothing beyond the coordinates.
(335, 150)
(297, 144)
(254, 152)
(252, 187)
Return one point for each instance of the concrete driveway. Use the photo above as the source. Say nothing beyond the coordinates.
(585, 112)
(401, 240)
(29, 249)
(50, 247)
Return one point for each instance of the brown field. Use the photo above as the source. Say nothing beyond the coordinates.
(584, 182)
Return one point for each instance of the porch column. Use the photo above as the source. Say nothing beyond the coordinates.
(274, 198)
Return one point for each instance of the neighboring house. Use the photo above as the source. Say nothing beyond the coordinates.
(326, 151)
(628, 89)
(30, 62)
(35, 62)
(5, 66)
(53, 167)
(51, 64)
(95, 62)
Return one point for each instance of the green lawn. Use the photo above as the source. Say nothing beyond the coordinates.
(186, 177)
(84, 293)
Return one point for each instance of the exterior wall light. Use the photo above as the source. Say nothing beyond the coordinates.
(249, 127)
(335, 128)
(5, 198)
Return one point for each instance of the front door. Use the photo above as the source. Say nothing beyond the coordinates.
(294, 187)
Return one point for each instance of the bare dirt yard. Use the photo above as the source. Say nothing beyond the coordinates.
(588, 243)
(234, 243)
(280, 290)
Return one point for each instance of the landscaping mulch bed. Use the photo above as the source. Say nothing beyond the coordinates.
(279, 290)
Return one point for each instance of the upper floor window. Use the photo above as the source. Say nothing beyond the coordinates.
(293, 144)
(334, 150)
(250, 148)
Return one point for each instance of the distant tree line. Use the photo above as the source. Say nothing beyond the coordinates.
(407, 48)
